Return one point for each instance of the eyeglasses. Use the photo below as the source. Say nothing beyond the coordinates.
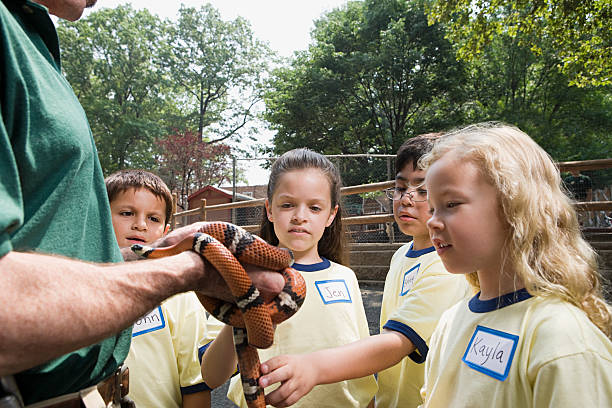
(396, 193)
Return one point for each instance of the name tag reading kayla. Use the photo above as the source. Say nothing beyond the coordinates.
(491, 352)
(409, 277)
(154, 320)
(333, 291)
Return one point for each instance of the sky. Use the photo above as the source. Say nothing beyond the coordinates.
(284, 24)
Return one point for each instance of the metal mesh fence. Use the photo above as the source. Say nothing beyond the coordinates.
(591, 185)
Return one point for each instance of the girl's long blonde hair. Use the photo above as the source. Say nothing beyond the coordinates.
(544, 242)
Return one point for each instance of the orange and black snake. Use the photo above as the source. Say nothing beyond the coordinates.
(226, 246)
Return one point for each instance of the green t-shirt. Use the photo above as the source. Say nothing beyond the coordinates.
(52, 194)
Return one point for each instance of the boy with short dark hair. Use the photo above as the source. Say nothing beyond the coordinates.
(417, 291)
(163, 358)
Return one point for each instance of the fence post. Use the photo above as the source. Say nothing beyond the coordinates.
(203, 210)
(233, 210)
(174, 200)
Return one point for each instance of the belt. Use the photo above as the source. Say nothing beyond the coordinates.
(111, 392)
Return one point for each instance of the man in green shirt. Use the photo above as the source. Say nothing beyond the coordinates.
(59, 288)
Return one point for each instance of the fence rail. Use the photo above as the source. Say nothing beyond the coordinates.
(381, 221)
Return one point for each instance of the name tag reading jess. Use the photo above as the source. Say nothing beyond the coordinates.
(409, 277)
(333, 291)
(152, 321)
(491, 352)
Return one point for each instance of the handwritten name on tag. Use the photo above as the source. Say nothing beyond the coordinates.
(491, 352)
(333, 291)
(409, 277)
(154, 320)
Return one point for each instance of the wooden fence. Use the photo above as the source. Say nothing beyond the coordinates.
(588, 207)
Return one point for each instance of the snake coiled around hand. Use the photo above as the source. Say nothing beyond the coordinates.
(226, 246)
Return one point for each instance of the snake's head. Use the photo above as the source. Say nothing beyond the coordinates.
(292, 257)
(142, 250)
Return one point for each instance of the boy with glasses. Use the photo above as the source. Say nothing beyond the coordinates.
(417, 291)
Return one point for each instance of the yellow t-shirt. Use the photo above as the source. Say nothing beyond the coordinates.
(332, 315)
(417, 291)
(163, 358)
(531, 352)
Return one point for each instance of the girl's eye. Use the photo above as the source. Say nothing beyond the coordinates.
(285, 205)
(315, 208)
(154, 219)
(126, 213)
(452, 204)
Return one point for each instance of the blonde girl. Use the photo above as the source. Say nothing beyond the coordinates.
(303, 214)
(537, 333)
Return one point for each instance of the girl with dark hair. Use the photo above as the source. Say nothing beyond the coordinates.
(303, 215)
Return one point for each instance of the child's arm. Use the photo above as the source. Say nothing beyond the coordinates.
(301, 372)
(197, 400)
(220, 360)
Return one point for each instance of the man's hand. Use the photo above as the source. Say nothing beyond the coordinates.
(269, 283)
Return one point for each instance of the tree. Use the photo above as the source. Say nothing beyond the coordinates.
(373, 67)
(508, 81)
(108, 59)
(218, 67)
(187, 164)
(579, 31)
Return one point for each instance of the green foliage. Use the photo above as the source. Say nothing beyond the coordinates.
(140, 79)
(108, 59)
(580, 31)
(217, 68)
(372, 71)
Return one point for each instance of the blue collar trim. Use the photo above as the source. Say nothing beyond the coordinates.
(482, 306)
(415, 254)
(324, 264)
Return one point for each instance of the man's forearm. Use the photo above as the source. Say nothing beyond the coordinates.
(51, 305)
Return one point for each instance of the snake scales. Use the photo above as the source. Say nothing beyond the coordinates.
(226, 246)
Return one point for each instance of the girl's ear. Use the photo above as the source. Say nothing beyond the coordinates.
(268, 212)
(332, 216)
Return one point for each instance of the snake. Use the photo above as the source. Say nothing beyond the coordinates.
(226, 247)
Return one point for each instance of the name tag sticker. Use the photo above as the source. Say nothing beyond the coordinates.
(333, 291)
(409, 277)
(491, 352)
(152, 321)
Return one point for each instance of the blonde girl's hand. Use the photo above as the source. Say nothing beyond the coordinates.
(296, 373)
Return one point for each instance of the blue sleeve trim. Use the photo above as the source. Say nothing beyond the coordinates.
(202, 350)
(420, 354)
(192, 389)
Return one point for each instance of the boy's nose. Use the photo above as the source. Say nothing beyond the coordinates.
(139, 225)
(406, 200)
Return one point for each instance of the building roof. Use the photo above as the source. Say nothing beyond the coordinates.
(223, 192)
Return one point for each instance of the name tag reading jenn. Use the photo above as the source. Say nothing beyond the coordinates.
(152, 321)
(333, 291)
(409, 277)
(491, 352)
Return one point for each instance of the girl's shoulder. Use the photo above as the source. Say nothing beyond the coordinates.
(339, 268)
(562, 328)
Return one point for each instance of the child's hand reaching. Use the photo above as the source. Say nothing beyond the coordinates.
(296, 373)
